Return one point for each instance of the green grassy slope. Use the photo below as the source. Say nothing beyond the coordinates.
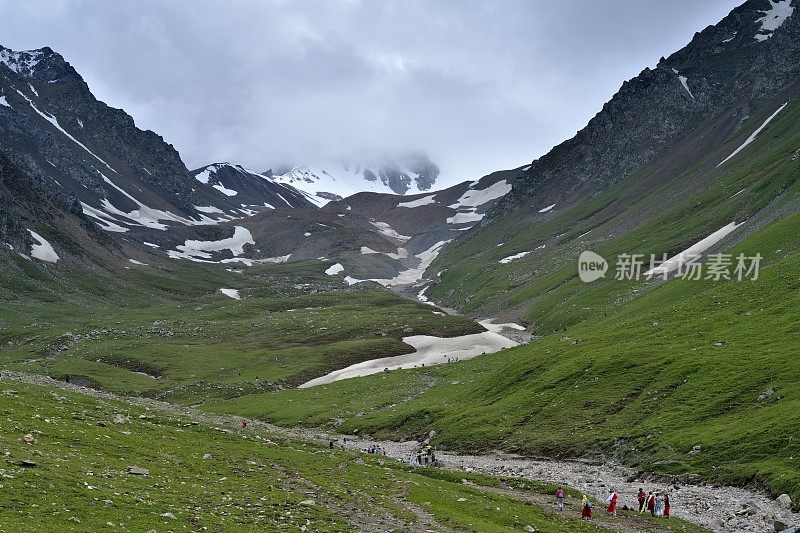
(293, 324)
(542, 288)
(214, 476)
(680, 364)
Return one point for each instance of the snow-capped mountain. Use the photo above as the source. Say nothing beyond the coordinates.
(251, 190)
(94, 158)
(408, 174)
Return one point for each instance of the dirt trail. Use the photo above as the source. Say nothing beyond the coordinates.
(714, 507)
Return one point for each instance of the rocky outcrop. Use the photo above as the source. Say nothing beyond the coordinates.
(727, 72)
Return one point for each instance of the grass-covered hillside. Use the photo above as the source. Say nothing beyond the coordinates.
(680, 364)
(73, 462)
(172, 334)
(663, 208)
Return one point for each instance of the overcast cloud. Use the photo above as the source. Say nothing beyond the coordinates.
(478, 85)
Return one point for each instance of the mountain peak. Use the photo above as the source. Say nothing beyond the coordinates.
(409, 173)
(23, 62)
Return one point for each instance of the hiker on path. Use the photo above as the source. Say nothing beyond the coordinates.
(612, 503)
(586, 508)
(560, 498)
(666, 505)
(642, 497)
(651, 503)
(659, 509)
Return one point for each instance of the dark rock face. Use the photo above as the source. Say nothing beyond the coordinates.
(398, 175)
(730, 70)
(427, 172)
(98, 162)
(42, 87)
(249, 189)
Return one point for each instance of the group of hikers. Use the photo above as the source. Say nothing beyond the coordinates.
(656, 504)
(375, 450)
(425, 457)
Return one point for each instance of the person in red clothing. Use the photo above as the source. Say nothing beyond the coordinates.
(586, 508)
(642, 497)
(666, 505)
(612, 503)
(651, 503)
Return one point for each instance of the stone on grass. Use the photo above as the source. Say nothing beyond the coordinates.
(766, 394)
(785, 501)
(137, 471)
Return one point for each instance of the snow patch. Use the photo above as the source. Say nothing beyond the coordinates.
(23, 62)
(231, 293)
(428, 351)
(151, 245)
(103, 219)
(497, 328)
(209, 209)
(754, 134)
(462, 218)
(506, 260)
(476, 198)
(387, 230)
(774, 18)
(202, 250)
(43, 250)
(135, 262)
(426, 200)
(547, 209)
(224, 190)
(467, 205)
(694, 250)
(334, 269)
(683, 80)
(4, 102)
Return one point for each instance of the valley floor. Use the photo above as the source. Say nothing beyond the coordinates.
(707, 506)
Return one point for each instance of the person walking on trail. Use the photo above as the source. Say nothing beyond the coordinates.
(642, 497)
(586, 508)
(651, 503)
(666, 505)
(560, 498)
(659, 509)
(612, 503)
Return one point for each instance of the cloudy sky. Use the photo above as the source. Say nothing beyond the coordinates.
(478, 85)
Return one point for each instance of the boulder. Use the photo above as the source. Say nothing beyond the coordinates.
(777, 526)
(137, 471)
(785, 501)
